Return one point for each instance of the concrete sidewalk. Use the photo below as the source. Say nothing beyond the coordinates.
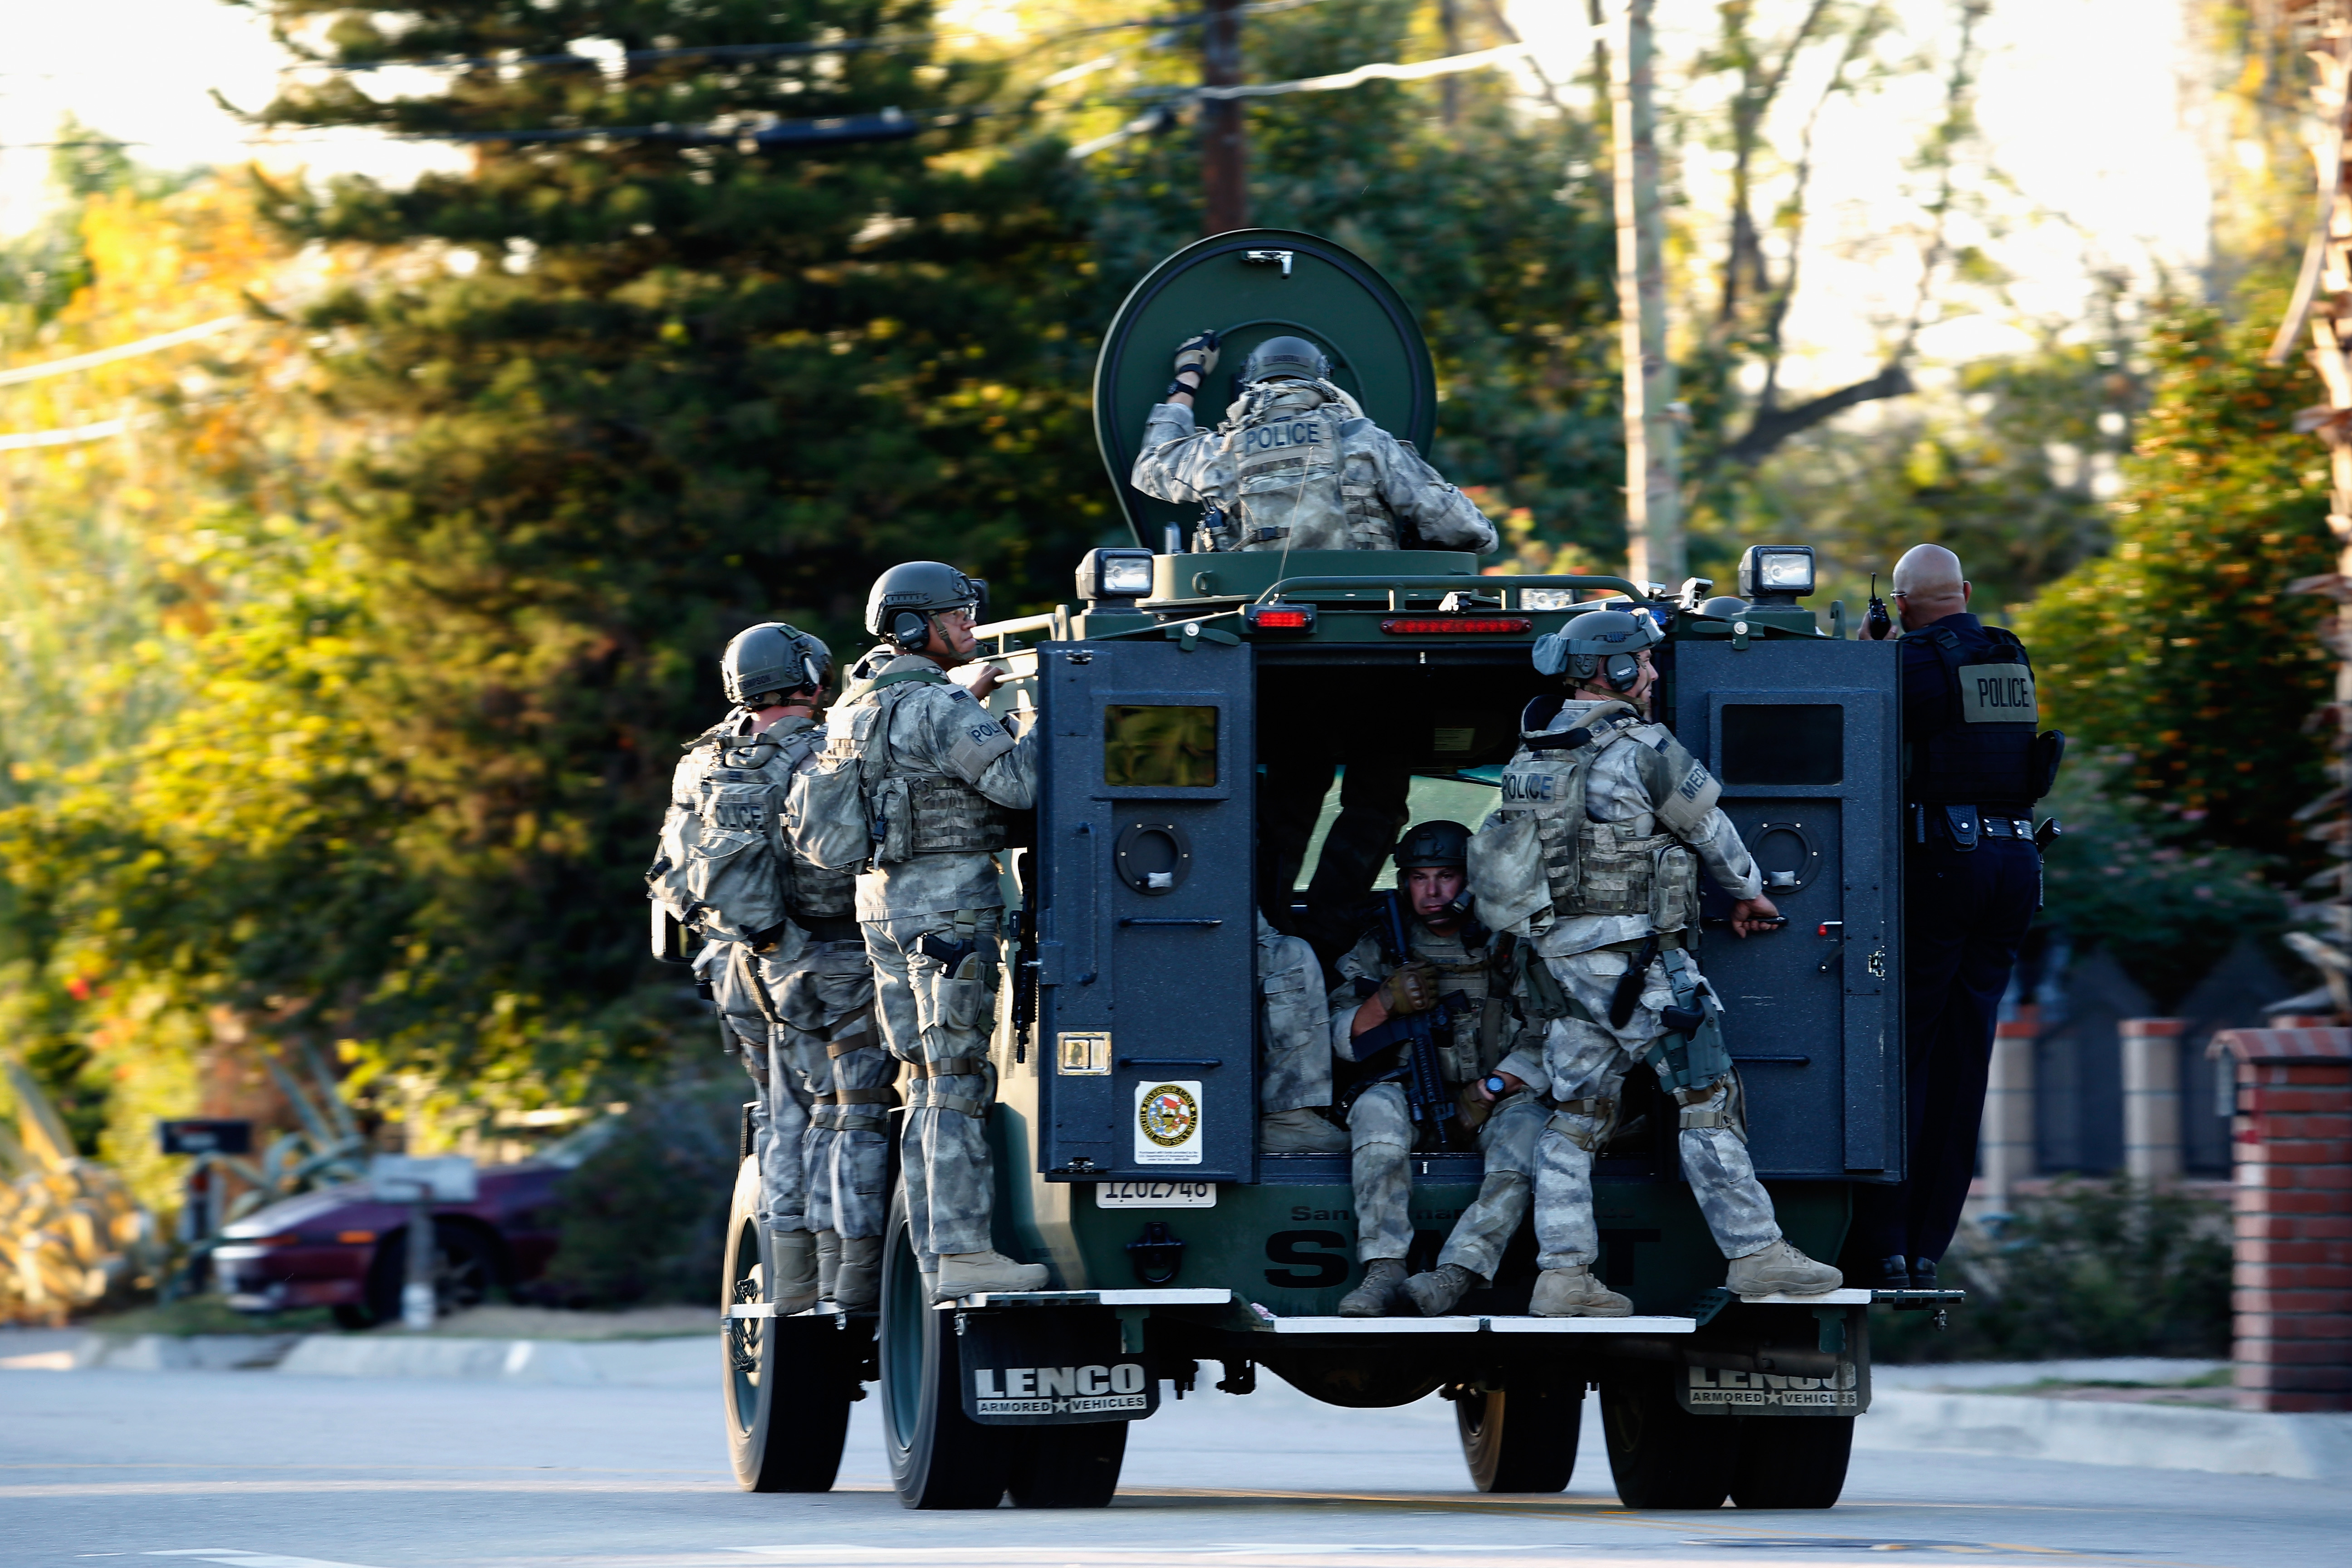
(1913, 1408)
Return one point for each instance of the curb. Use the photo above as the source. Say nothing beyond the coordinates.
(632, 1363)
(2313, 1448)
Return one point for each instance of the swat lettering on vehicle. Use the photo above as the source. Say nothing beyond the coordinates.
(1293, 433)
(1059, 1390)
(1290, 1247)
(1998, 694)
(1727, 1389)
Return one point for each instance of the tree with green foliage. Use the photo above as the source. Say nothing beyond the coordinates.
(2182, 647)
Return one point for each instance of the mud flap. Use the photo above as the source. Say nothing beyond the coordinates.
(1050, 1366)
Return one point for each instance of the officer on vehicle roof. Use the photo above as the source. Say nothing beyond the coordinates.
(787, 969)
(1457, 964)
(1973, 767)
(1594, 853)
(940, 778)
(1297, 466)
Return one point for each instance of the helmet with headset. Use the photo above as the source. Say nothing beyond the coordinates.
(773, 658)
(1599, 645)
(906, 597)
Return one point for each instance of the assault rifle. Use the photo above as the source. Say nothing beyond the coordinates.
(1425, 1084)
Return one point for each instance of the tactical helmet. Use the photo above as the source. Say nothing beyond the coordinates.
(1286, 356)
(906, 597)
(1437, 843)
(773, 656)
(1598, 643)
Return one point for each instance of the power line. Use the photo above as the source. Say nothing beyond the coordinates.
(120, 352)
(23, 439)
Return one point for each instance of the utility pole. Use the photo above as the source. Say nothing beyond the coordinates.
(1223, 166)
(1653, 524)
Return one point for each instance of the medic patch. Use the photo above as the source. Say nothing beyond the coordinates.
(1697, 779)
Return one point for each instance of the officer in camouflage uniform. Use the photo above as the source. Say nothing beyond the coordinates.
(1297, 466)
(940, 778)
(1595, 852)
(1295, 1073)
(1456, 962)
(785, 965)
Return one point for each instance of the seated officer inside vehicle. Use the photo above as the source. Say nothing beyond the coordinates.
(1461, 979)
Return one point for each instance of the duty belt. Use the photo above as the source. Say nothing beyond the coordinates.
(2004, 826)
(1667, 941)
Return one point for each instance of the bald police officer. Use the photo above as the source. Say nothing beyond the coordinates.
(1973, 767)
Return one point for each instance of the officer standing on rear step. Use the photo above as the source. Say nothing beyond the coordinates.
(1594, 853)
(1297, 466)
(1973, 767)
(1457, 965)
(940, 777)
(785, 963)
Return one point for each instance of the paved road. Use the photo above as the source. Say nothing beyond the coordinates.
(258, 1470)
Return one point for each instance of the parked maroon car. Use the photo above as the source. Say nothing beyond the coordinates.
(338, 1248)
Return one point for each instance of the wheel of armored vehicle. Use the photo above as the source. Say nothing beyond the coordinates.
(787, 1381)
(1069, 1467)
(1793, 1464)
(1521, 1435)
(939, 1456)
(1661, 1454)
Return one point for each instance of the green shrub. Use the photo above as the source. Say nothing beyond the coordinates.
(643, 1219)
(2104, 1268)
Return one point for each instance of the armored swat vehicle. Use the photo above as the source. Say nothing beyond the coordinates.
(1125, 1132)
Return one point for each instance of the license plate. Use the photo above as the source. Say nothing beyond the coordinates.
(1155, 1194)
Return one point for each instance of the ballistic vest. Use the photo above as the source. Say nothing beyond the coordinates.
(1604, 868)
(1295, 485)
(1984, 751)
(924, 813)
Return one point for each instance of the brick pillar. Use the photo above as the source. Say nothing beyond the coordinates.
(2006, 1149)
(2292, 1135)
(2151, 1052)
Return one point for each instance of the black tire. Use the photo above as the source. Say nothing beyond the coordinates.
(1796, 1461)
(1068, 1467)
(940, 1457)
(786, 1383)
(1522, 1437)
(1661, 1456)
(464, 1271)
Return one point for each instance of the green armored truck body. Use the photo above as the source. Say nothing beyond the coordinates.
(1126, 1050)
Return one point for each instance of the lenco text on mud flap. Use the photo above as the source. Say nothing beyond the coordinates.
(1045, 1366)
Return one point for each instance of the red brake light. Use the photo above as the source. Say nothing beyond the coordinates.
(1456, 626)
(1280, 618)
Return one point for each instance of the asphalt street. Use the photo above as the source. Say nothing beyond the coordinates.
(260, 1470)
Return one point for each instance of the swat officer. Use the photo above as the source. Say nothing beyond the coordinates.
(1294, 1085)
(1297, 466)
(1595, 852)
(1973, 767)
(784, 965)
(1455, 962)
(940, 779)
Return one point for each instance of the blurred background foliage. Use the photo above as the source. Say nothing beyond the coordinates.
(344, 686)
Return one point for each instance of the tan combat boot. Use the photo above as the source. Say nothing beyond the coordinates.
(828, 1262)
(1434, 1294)
(965, 1274)
(1780, 1269)
(1382, 1293)
(1300, 1131)
(1573, 1292)
(859, 1286)
(793, 1288)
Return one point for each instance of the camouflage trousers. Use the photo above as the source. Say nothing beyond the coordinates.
(835, 1047)
(1296, 1068)
(1380, 1168)
(1587, 1063)
(1505, 1192)
(940, 1017)
(779, 1113)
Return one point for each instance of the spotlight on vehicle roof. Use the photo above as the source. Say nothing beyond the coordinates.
(1776, 573)
(1115, 575)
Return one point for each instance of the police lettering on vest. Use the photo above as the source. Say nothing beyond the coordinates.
(1983, 749)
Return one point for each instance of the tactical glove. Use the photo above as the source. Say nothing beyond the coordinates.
(1197, 353)
(1412, 988)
